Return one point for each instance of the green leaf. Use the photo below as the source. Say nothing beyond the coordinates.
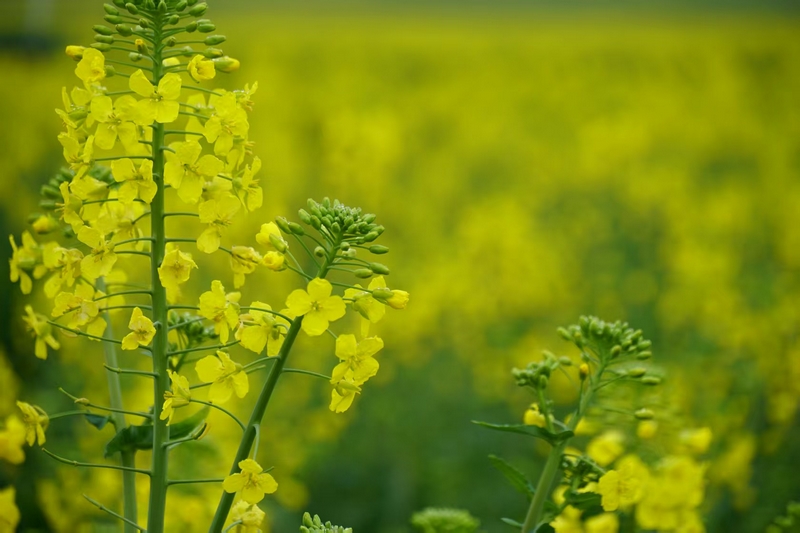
(582, 500)
(134, 438)
(513, 475)
(531, 431)
(98, 421)
(512, 523)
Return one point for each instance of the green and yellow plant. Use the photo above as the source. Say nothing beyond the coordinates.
(160, 146)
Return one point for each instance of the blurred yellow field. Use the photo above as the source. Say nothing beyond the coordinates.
(529, 168)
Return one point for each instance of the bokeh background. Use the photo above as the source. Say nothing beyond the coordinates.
(532, 163)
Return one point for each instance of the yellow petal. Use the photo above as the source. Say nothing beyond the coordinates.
(139, 84)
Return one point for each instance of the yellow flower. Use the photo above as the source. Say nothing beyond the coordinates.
(12, 439)
(697, 440)
(115, 120)
(262, 330)
(42, 331)
(274, 261)
(44, 224)
(244, 260)
(227, 122)
(602, 523)
(250, 516)
(252, 482)
(534, 417)
(218, 214)
(179, 396)
(160, 104)
(78, 156)
(92, 67)
(9, 513)
(136, 183)
(343, 394)
(225, 376)
(187, 172)
(363, 301)
(623, 487)
(646, 429)
(606, 447)
(221, 308)
(398, 300)
(176, 267)
(66, 264)
(82, 310)
(249, 191)
(357, 358)
(317, 305)
(25, 259)
(201, 69)
(70, 210)
(36, 422)
(270, 238)
(142, 331)
(569, 521)
(74, 52)
(101, 258)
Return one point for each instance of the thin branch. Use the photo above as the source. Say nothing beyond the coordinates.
(94, 465)
(307, 372)
(128, 371)
(112, 513)
(215, 406)
(202, 348)
(188, 481)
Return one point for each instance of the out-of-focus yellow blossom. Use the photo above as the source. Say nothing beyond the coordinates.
(136, 183)
(317, 305)
(101, 257)
(218, 214)
(74, 51)
(646, 429)
(227, 122)
(623, 487)
(343, 394)
(187, 172)
(569, 521)
(674, 490)
(65, 263)
(697, 440)
(248, 189)
(36, 422)
(606, 447)
(259, 329)
(42, 332)
(81, 310)
(142, 331)
(250, 516)
(78, 156)
(533, 416)
(586, 427)
(9, 512)
(252, 482)
(44, 224)
(115, 120)
(12, 439)
(25, 259)
(176, 267)
(221, 308)
(225, 376)
(357, 358)
(363, 301)
(91, 68)
(159, 104)
(70, 209)
(201, 69)
(602, 523)
(244, 260)
(179, 396)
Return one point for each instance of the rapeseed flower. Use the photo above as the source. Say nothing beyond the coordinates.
(317, 306)
(142, 331)
(36, 422)
(159, 104)
(12, 439)
(136, 183)
(357, 358)
(201, 69)
(623, 487)
(101, 257)
(42, 332)
(179, 396)
(218, 214)
(252, 482)
(9, 512)
(225, 376)
(187, 172)
(221, 308)
(259, 329)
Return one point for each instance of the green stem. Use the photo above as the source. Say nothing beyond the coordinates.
(158, 481)
(128, 458)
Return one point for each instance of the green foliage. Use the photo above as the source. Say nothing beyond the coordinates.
(315, 525)
(444, 520)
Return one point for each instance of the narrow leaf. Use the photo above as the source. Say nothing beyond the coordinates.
(531, 431)
(513, 475)
(98, 421)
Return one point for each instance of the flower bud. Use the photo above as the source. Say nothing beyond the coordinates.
(644, 345)
(319, 251)
(108, 39)
(644, 414)
(399, 299)
(180, 6)
(651, 380)
(162, 7)
(378, 249)
(110, 71)
(304, 216)
(345, 246)
(102, 30)
(133, 56)
(644, 355)
(278, 243)
(369, 218)
(296, 228)
(132, 9)
(173, 20)
(349, 254)
(584, 371)
(119, 3)
(214, 40)
(191, 2)
(371, 236)
(198, 10)
(48, 191)
(110, 10)
(382, 293)
(542, 381)
(211, 53)
(124, 30)
(226, 64)
(316, 223)
(637, 372)
(141, 46)
(191, 27)
(565, 334)
(49, 205)
(283, 224)
(113, 19)
(101, 46)
(565, 361)
(362, 273)
(75, 52)
(82, 401)
(379, 268)
(206, 28)
(44, 224)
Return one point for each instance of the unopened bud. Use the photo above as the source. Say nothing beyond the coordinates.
(211, 53)
(82, 401)
(379, 268)
(616, 350)
(362, 273)
(565, 361)
(113, 19)
(644, 355)
(584, 371)
(102, 30)
(304, 216)
(135, 57)
(124, 30)
(651, 380)
(543, 382)
(382, 293)
(48, 191)
(173, 20)
(108, 39)
(198, 10)
(214, 40)
(349, 254)
(110, 71)
(644, 414)
(110, 10)
(277, 242)
(206, 28)
(319, 251)
(565, 334)
(371, 236)
(283, 224)
(378, 249)
(101, 46)
(226, 64)
(191, 27)
(75, 52)
(637, 372)
(132, 9)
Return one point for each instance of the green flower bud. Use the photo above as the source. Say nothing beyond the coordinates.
(206, 28)
(283, 224)
(565, 361)
(173, 20)
(191, 27)
(51, 204)
(198, 10)
(371, 236)
(101, 46)
(124, 30)
(542, 381)
(316, 223)
(644, 355)
(144, 23)
(616, 350)
(651, 380)
(102, 30)
(278, 243)
(307, 520)
(211, 53)
(214, 40)
(637, 372)
(349, 254)
(110, 10)
(382, 293)
(304, 216)
(180, 6)
(113, 19)
(319, 251)
(566, 335)
(379, 268)
(132, 9)
(644, 345)
(296, 228)
(378, 249)
(345, 246)
(336, 228)
(48, 191)
(362, 273)
(110, 71)
(191, 2)
(172, 41)
(107, 39)
(149, 4)
(378, 229)
(162, 7)
(119, 3)
(226, 64)
(369, 218)
(644, 414)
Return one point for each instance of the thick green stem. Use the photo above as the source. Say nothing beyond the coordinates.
(128, 458)
(158, 480)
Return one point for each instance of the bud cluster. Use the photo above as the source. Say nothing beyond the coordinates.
(607, 340)
(315, 525)
(436, 520)
(537, 374)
